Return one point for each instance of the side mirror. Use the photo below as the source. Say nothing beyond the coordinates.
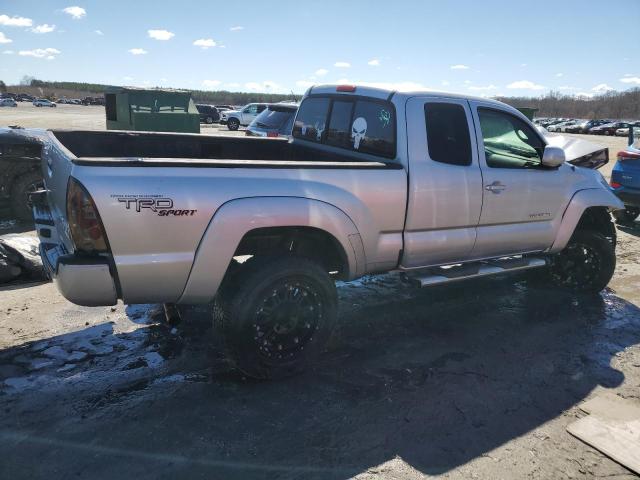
(553, 156)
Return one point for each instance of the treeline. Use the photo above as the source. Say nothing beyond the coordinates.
(614, 105)
(221, 97)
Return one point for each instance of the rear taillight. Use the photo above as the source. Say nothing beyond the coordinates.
(86, 228)
(346, 88)
(615, 184)
(272, 134)
(624, 155)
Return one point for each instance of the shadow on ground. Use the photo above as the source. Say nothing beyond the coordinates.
(436, 377)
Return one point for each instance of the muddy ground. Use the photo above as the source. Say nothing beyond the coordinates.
(476, 380)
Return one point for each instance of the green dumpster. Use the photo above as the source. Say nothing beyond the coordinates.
(153, 110)
(528, 112)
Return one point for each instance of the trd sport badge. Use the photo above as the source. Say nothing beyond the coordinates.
(158, 204)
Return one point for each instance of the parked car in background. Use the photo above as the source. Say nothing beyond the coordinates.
(275, 121)
(608, 128)
(624, 131)
(583, 126)
(234, 118)
(625, 182)
(8, 102)
(222, 108)
(92, 101)
(563, 128)
(556, 127)
(25, 97)
(208, 113)
(43, 102)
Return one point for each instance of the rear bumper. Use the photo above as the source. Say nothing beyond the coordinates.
(82, 280)
(629, 196)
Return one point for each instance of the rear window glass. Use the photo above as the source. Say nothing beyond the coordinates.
(339, 132)
(366, 126)
(447, 133)
(273, 118)
(311, 119)
(373, 129)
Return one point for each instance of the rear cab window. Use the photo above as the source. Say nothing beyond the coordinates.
(357, 124)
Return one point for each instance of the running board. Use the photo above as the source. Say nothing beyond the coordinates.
(465, 271)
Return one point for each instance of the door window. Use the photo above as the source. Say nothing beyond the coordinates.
(508, 141)
(250, 110)
(448, 138)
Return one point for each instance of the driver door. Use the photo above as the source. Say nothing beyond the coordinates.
(521, 198)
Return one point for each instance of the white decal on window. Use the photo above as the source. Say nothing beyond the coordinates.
(358, 131)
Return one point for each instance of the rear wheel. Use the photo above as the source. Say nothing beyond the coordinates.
(628, 215)
(276, 316)
(586, 264)
(233, 124)
(24, 185)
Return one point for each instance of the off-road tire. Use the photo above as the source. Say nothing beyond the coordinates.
(586, 264)
(628, 215)
(249, 318)
(25, 184)
(233, 124)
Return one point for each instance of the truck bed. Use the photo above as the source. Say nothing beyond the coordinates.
(94, 148)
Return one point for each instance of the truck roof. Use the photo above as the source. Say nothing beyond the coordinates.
(386, 93)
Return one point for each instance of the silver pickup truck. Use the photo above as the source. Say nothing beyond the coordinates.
(438, 186)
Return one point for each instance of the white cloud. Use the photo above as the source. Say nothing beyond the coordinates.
(445, 83)
(7, 21)
(8, 52)
(4, 39)
(232, 85)
(559, 74)
(342, 64)
(205, 43)
(566, 87)
(98, 32)
(127, 78)
(467, 82)
(459, 66)
(161, 34)
(525, 85)
(629, 79)
(237, 28)
(602, 88)
(321, 71)
(211, 83)
(137, 51)
(584, 94)
(44, 28)
(480, 89)
(523, 64)
(75, 12)
(48, 53)
(374, 62)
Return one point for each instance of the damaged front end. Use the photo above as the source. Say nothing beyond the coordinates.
(581, 153)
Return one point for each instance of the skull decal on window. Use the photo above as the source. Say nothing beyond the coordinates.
(358, 131)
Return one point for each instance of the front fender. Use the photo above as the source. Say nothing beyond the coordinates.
(238, 217)
(583, 199)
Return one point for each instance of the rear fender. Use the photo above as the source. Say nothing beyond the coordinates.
(238, 217)
(592, 197)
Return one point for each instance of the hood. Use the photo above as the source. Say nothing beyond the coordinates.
(580, 152)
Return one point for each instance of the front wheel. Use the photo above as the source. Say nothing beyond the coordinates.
(276, 316)
(628, 215)
(233, 124)
(586, 264)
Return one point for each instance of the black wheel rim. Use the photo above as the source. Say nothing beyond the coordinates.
(576, 266)
(287, 319)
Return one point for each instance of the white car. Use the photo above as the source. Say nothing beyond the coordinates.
(43, 102)
(234, 118)
(8, 102)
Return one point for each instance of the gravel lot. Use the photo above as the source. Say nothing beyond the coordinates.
(476, 380)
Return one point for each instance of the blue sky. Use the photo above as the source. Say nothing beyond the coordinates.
(480, 47)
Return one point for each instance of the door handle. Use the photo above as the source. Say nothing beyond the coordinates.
(495, 187)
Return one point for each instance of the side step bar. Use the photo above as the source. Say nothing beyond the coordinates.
(465, 271)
